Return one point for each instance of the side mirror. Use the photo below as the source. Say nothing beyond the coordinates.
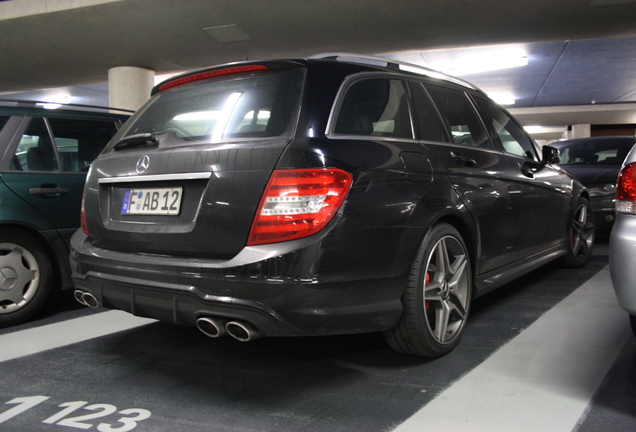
(550, 155)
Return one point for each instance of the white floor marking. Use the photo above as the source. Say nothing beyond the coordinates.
(544, 378)
(38, 339)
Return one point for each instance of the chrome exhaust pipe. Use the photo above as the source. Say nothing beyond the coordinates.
(212, 327)
(79, 296)
(90, 300)
(242, 331)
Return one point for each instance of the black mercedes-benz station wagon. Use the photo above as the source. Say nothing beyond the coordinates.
(329, 195)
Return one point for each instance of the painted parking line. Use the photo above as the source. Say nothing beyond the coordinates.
(38, 339)
(544, 378)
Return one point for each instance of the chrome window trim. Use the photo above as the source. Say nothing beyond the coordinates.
(156, 177)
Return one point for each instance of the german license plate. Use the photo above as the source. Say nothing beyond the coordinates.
(156, 201)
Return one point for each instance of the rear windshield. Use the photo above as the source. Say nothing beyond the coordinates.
(221, 109)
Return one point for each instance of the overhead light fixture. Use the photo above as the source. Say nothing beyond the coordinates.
(536, 129)
(227, 33)
(56, 101)
(484, 63)
(503, 98)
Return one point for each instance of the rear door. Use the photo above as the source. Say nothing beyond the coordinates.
(478, 172)
(546, 191)
(49, 162)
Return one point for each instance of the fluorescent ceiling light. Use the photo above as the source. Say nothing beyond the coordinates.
(55, 102)
(544, 129)
(503, 98)
(483, 63)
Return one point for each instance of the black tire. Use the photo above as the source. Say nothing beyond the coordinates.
(436, 298)
(26, 276)
(581, 234)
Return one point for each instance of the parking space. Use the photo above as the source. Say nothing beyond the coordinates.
(92, 369)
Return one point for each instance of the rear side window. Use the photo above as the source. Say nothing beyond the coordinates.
(459, 116)
(426, 117)
(375, 107)
(35, 152)
(242, 106)
(78, 142)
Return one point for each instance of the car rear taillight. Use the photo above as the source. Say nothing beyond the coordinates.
(83, 216)
(626, 189)
(298, 203)
(210, 74)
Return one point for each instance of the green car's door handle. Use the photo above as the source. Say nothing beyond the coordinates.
(48, 192)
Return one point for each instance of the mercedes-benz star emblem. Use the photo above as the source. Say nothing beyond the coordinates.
(142, 164)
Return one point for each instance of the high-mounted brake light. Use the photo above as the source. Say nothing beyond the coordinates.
(626, 189)
(210, 74)
(298, 203)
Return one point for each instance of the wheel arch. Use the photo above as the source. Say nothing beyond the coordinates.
(46, 243)
(469, 235)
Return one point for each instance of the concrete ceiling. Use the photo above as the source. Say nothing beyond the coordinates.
(581, 53)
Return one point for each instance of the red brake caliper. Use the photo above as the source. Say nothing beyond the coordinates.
(426, 282)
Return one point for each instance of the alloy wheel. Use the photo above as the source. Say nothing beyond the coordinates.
(446, 290)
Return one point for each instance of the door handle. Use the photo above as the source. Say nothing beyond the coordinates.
(463, 160)
(48, 192)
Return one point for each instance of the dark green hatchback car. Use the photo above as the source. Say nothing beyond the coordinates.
(44, 157)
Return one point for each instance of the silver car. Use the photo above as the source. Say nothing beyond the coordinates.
(622, 250)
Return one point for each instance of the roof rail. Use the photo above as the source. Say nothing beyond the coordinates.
(62, 105)
(392, 64)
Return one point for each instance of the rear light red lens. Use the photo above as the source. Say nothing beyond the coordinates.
(626, 189)
(298, 203)
(211, 74)
(83, 216)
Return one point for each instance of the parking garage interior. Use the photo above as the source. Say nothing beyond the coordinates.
(551, 351)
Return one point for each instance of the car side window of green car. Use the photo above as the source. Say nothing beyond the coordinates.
(35, 152)
(70, 146)
(78, 142)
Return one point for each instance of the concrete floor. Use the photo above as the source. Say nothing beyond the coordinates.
(550, 352)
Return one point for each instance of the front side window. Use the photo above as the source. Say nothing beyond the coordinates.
(375, 107)
(514, 139)
(240, 106)
(462, 121)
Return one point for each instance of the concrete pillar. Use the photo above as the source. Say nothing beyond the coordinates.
(581, 131)
(129, 87)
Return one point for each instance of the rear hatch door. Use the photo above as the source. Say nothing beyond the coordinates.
(186, 174)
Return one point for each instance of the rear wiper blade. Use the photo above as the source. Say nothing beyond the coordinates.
(142, 139)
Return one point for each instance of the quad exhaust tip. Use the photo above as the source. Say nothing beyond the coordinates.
(217, 327)
(242, 331)
(212, 327)
(86, 298)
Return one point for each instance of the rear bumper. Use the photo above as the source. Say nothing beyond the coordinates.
(288, 289)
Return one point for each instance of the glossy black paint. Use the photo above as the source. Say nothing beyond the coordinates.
(513, 214)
